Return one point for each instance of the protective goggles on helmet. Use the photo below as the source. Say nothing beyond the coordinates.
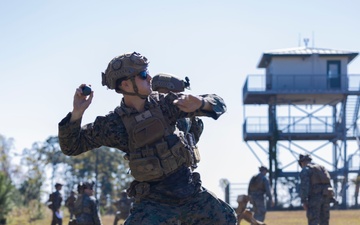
(143, 74)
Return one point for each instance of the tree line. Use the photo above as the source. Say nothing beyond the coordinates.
(24, 185)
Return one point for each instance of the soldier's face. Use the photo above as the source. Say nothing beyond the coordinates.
(89, 191)
(144, 85)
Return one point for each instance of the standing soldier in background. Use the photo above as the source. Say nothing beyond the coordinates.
(192, 127)
(357, 188)
(86, 208)
(315, 191)
(259, 186)
(70, 202)
(123, 205)
(56, 200)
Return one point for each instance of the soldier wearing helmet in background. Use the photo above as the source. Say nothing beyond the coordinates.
(259, 186)
(315, 191)
(123, 206)
(192, 127)
(165, 189)
(86, 208)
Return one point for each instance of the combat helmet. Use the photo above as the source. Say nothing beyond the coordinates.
(123, 67)
(303, 158)
(164, 82)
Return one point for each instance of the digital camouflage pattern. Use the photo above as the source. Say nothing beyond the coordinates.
(175, 197)
(204, 208)
(192, 127)
(314, 193)
(110, 131)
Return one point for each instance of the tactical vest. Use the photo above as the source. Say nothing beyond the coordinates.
(256, 184)
(186, 125)
(318, 175)
(80, 207)
(154, 150)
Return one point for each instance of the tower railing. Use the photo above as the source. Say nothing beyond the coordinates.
(258, 82)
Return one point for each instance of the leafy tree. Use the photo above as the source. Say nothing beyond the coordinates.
(5, 159)
(104, 165)
(107, 167)
(6, 189)
(49, 154)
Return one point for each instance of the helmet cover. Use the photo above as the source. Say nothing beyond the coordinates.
(123, 67)
(168, 82)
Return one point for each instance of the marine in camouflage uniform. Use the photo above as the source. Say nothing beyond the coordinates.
(259, 186)
(166, 190)
(315, 191)
(56, 204)
(86, 208)
(123, 206)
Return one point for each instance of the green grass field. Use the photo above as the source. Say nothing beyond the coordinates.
(337, 217)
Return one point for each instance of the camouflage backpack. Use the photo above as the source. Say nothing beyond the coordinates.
(256, 183)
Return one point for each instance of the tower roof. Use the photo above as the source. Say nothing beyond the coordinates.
(303, 51)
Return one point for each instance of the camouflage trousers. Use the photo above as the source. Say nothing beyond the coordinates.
(318, 212)
(202, 209)
(259, 208)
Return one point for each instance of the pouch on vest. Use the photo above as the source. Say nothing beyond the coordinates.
(146, 169)
(148, 131)
(193, 148)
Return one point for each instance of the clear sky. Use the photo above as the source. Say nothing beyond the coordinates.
(48, 48)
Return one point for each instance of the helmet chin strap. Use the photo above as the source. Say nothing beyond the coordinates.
(135, 89)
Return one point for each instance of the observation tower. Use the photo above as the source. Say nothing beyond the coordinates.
(305, 103)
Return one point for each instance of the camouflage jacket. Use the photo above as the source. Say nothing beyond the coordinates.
(86, 210)
(307, 186)
(259, 185)
(193, 125)
(110, 131)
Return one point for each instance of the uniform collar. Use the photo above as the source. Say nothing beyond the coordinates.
(150, 102)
